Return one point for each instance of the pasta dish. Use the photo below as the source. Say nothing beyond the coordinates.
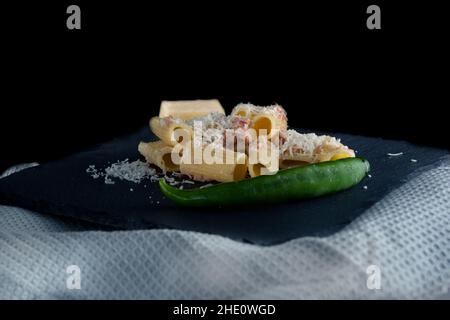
(197, 139)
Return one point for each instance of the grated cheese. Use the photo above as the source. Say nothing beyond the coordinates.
(213, 120)
(395, 154)
(306, 143)
(136, 171)
(274, 110)
(109, 181)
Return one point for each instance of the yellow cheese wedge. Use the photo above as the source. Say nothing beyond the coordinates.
(188, 109)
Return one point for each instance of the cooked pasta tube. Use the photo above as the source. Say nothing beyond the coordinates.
(330, 150)
(265, 122)
(336, 154)
(268, 118)
(242, 110)
(267, 160)
(258, 169)
(276, 112)
(309, 148)
(171, 131)
(159, 154)
(189, 109)
(319, 155)
(224, 171)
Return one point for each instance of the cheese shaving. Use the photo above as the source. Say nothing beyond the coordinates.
(395, 154)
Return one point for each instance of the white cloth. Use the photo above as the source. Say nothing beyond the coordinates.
(407, 235)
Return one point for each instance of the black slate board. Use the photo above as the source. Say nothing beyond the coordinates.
(64, 188)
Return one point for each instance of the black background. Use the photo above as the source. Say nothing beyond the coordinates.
(65, 90)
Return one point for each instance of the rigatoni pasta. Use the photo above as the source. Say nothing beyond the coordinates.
(242, 110)
(222, 172)
(310, 148)
(159, 154)
(258, 169)
(226, 157)
(266, 161)
(272, 118)
(171, 131)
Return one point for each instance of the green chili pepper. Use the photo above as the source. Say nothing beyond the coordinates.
(301, 182)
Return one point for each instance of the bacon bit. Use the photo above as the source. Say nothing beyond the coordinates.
(166, 121)
(240, 123)
(282, 137)
(281, 113)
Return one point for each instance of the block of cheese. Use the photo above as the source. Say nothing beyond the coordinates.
(188, 109)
